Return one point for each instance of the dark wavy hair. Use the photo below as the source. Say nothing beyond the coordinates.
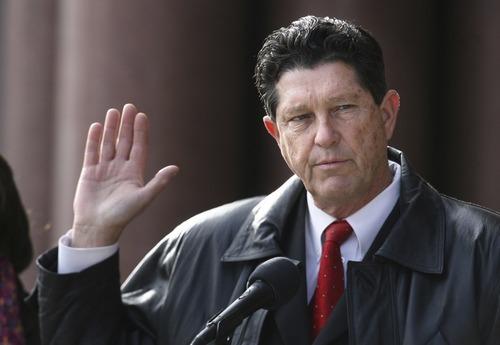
(311, 41)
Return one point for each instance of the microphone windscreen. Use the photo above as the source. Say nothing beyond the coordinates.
(282, 275)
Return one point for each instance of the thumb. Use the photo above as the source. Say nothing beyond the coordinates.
(160, 181)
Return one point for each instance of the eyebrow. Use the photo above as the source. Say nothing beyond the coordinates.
(341, 99)
(299, 108)
(294, 109)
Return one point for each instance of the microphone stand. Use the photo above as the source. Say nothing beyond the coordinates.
(221, 327)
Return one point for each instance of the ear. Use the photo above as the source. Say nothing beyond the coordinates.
(390, 108)
(272, 128)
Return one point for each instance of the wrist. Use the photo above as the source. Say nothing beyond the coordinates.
(92, 237)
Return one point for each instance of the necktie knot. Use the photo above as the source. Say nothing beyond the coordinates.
(338, 232)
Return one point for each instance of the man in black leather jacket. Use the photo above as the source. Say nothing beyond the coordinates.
(421, 268)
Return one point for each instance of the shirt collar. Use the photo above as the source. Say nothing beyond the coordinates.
(365, 222)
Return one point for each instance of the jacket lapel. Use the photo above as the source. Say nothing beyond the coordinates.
(292, 318)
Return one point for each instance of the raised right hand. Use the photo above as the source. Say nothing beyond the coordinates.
(111, 190)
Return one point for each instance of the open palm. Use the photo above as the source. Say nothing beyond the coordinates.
(111, 190)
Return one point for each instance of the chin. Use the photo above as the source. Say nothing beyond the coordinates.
(331, 191)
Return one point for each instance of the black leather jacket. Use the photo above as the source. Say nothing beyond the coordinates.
(431, 277)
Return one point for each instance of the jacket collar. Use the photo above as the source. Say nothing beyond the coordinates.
(416, 241)
(260, 234)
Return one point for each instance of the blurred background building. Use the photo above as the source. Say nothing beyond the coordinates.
(189, 66)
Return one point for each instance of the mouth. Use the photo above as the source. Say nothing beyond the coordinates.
(330, 163)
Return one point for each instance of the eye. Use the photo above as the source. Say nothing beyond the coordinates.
(300, 117)
(345, 107)
(344, 111)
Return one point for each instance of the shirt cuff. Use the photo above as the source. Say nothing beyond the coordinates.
(73, 260)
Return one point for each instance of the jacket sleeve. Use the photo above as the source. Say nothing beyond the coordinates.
(160, 302)
(84, 307)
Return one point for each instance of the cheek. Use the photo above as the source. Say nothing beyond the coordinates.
(370, 140)
(373, 132)
(289, 152)
(364, 137)
(294, 154)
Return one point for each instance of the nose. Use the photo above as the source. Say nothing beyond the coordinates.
(327, 133)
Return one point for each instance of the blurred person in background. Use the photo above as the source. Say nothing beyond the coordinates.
(18, 321)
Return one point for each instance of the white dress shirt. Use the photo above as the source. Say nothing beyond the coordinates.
(365, 223)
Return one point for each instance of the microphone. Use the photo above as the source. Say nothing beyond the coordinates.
(272, 284)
